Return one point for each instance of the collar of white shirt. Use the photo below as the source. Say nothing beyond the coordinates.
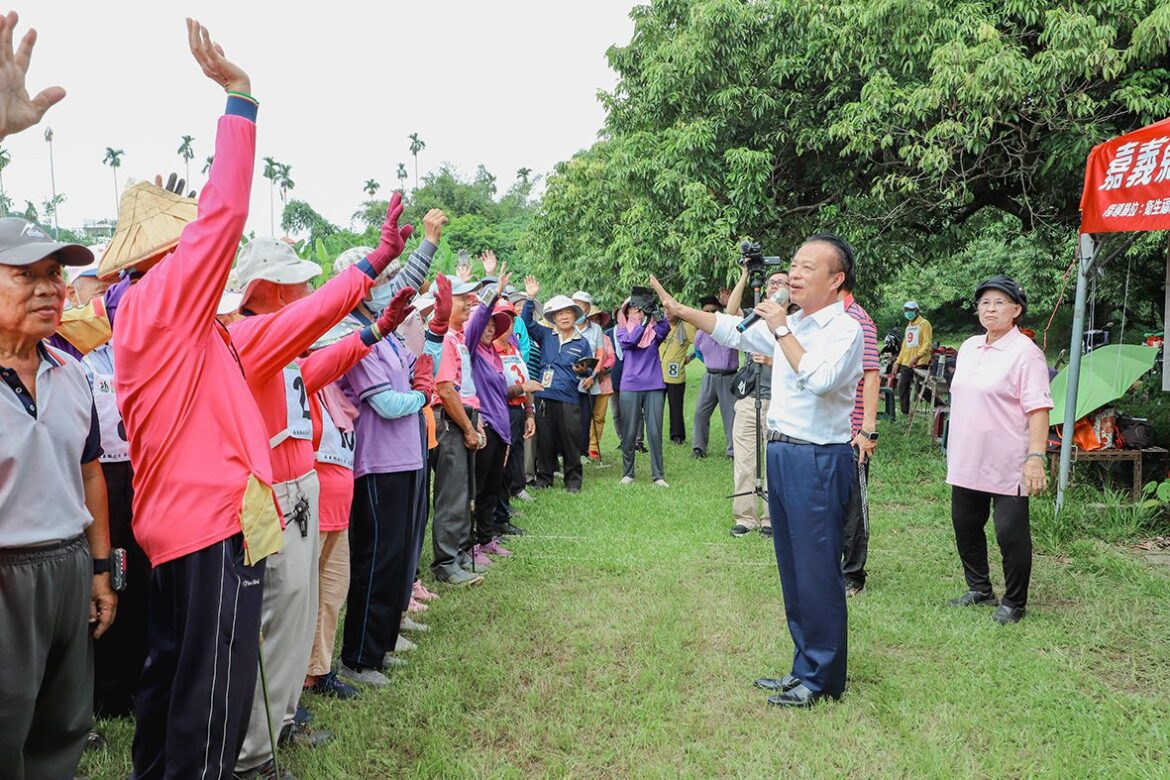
(1003, 342)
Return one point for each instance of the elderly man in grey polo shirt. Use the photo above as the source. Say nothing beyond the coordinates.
(54, 539)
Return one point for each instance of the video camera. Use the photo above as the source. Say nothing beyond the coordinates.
(756, 263)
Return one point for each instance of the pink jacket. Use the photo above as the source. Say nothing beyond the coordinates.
(195, 432)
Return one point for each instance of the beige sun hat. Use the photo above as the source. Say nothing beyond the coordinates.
(150, 223)
(271, 260)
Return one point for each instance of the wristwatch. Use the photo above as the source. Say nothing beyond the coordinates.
(872, 436)
(782, 331)
(101, 566)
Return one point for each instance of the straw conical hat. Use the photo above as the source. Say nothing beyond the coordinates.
(150, 222)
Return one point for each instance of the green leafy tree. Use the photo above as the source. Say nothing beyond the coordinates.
(187, 154)
(371, 187)
(113, 158)
(402, 176)
(272, 173)
(207, 163)
(931, 133)
(284, 182)
(299, 217)
(5, 201)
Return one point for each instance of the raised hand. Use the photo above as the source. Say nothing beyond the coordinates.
(433, 225)
(488, 259)
(396, 311)
(442, 316)
(211, 59)
(17, 110)
(174, 184)
(393, 237)
(531, 286)
(424, 376)
(505, 277)
(669, 305)
(463, 272)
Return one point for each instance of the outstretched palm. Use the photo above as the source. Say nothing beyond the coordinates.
(211, 59)
(17, 110)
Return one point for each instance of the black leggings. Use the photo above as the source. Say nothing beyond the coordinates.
(969, 512)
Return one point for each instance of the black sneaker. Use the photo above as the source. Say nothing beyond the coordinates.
(303, 736)
(331, 685)
(852, 587)
(303, 716)
(641, 447)
(698, 454)
(1006, 614)
(974, 597)
(740, 530)
(766, 531)
(512, 530)
(94, 741)
(266, 771)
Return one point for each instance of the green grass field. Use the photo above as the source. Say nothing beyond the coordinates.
(623, 638)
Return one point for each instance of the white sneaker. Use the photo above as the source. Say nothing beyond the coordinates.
(524, 495)
(661, 483)
(392, 662)
(627, 480)
(404, 645)
(409, 625)
(365, 676)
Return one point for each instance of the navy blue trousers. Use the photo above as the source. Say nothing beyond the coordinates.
(808, 495)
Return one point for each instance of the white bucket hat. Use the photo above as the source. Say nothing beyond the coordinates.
(559, 303)
(270, 260)
(581, 295)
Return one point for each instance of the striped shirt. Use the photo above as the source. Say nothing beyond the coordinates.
(869, 357)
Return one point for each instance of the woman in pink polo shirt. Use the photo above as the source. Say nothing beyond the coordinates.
(996, 451)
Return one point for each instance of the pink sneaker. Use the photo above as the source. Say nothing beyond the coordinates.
(479, 557)
(417, 606)
(495, 548)
(421, 593)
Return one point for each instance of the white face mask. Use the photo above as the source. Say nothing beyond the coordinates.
(380, 298)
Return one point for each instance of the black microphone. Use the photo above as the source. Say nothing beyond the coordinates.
(780, 296)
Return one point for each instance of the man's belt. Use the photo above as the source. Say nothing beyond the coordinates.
(777, 436)
(723, 371)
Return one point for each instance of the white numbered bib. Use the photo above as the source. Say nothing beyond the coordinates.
(547, 379)
(515, 369)
(466, 379)
(115, 447)
(337, 446)
(913, 336)
(672, 370)
(300, 423)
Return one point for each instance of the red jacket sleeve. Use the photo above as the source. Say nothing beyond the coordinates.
(331, 363)
(182, 292)
(269, 342)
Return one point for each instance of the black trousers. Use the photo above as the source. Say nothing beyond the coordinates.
(856, 546)
(422, 510)
(1013, 531)
(381, 527)
(514, 478)
(119, 655)
(905, 385)
(194, 699)
(675, 398)
(558, 426)
(586, 421)
(490, 484)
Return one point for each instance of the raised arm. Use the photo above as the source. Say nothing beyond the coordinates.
(17, 110)
(418, 265)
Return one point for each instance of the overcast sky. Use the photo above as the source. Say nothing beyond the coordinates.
(509, 84)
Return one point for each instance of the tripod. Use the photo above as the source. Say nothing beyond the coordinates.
(757, 392)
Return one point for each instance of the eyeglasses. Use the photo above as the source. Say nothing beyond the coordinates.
(986, 304)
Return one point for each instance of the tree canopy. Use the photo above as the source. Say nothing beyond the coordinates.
(942, 133)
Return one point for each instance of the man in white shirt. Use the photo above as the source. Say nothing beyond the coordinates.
(816, 366)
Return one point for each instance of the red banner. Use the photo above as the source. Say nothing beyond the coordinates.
(1127, 183)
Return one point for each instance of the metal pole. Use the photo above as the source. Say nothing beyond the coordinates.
(1085, 264)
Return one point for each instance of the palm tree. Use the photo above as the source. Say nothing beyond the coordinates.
(113, 159)
(284, 182)
(30, 212)
(271, 169)
(416, 145)
(5, 201)
(50, 206)
(371, 187)
(484, 176)
(522, 174)
(207, 165)
(52, 180)
(187, 153)
(402, 176)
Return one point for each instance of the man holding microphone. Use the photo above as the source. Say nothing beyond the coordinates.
(811, 471)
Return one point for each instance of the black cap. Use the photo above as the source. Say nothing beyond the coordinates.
(710, 300)
(1009, 287)
(23, 243)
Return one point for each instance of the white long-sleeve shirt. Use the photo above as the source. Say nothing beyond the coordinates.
(814, 402)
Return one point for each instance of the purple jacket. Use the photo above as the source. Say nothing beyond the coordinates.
(717, 358)
(641, 368)
(488, 370)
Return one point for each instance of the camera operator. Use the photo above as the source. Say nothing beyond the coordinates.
(817, 363)
(747, 433)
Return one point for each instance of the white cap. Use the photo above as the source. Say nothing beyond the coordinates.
(910, 305)
(581, 295)
(423, 301)
(271, 260)
(558, 303)
(75, 272)
(350, 257)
